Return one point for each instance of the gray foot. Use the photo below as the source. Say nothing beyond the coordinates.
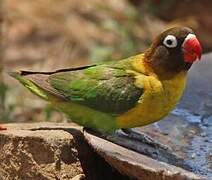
(142, 137)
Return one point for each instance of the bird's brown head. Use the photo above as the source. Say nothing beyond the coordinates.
(174, 50)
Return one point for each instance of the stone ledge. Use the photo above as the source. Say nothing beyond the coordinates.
(62, 151)
(136, 165)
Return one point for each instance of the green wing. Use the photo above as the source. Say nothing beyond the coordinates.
(107, 88)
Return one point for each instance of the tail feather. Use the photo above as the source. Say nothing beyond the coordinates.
(30, 84)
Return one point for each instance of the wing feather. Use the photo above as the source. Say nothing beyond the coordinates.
(102, 88)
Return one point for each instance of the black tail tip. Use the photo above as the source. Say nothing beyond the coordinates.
(14, 73)
(19, 73)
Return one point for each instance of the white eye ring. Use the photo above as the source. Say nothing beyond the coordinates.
(170, 41)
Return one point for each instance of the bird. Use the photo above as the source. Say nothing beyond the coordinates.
(122, 94)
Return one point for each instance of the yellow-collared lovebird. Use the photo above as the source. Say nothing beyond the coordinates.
(127, 93)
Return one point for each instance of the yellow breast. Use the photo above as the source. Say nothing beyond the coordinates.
(158, 99)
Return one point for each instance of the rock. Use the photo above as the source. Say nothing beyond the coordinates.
(38, 154)
(63, 151)
(79, 177)
(136, 165)
(50, 151)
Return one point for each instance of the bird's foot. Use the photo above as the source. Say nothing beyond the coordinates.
(140, 143)
(92, 131)
(142, 137)
(2, 128)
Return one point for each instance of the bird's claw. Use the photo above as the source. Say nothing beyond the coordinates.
(142, 137)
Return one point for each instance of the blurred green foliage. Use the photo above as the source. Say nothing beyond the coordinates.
(3, 90)
(5, 111)
(155, 7)
(128, 44)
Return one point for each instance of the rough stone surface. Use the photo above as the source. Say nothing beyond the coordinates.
(49, 151)
(62, 151)
(136, 165)
(38, 154)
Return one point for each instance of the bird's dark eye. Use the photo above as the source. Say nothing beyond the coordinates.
(170, 41)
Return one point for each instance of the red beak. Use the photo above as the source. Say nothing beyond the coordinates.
(192, 49)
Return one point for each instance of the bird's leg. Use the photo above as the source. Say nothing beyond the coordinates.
(2, 128)
(139, 136)
(92, 131)
(132, 134)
